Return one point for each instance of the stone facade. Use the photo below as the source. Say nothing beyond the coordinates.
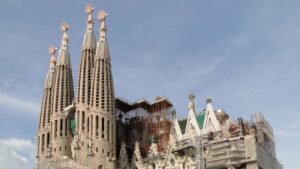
(81, 132)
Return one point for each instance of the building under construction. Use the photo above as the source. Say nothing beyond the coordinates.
(205, 140)
(96, 130)
(145, 123)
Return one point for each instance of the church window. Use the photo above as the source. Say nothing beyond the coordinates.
(66, 127)
(107, 130)
(97, 125)
(83, 118)
(88, 124)
(48, 139)
(43, 142)
(61, 127)
(102, 121)
(92, 122)
(55, 128)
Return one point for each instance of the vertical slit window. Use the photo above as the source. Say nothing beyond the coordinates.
(107, 130)
(102, 123)
(83, 120)
(66, 127)
(97, 125)
(61, 127)
(55, 129)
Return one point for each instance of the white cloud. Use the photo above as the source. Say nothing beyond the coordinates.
(16, 153)
(17, 143)
(18, 156)
(13, 103)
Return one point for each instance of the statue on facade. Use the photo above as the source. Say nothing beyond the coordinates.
(90, 148)
(49, 151)
(75, 145)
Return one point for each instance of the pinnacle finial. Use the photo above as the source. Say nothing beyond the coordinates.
(65, 38)
(208, 100)
(89, 8)
(191, 103)
(192, 97)
(52, 51)
(64, 27)
(102, 16)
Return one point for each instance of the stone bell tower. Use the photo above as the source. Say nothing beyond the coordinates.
(45, 114)
(63, 95)
(95, 106)
(101, 122)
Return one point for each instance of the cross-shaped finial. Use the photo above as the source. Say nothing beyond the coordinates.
(64, 27)
(191, 97)
(102, 15)
(89, 8)
(52, 50)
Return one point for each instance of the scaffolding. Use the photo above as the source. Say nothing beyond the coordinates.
(145, 123)
(200, 160)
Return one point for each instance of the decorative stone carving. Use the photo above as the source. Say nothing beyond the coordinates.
(49, 151)
(102, 16)
(89, 8)
(65, 38)
(191, 105)
(52, 51)
(75, 145)
(90, 148)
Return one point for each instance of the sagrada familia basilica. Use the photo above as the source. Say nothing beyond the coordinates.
(96, 130)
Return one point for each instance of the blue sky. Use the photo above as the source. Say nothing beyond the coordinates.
(244, 54)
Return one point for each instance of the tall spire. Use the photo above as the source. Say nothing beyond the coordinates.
(63, 94)
(63, 86)
(102, 81)
(86, 60)
(45, 114)
(49, 78)
(102, 16)
(85, 70)
(64, 56)
(102, 104)
(89, 41)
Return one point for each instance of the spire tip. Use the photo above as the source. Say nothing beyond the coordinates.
(208, 100)
(89, 8)
(65, 38)
(52, 51)
(102, 15)
(64, 27)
